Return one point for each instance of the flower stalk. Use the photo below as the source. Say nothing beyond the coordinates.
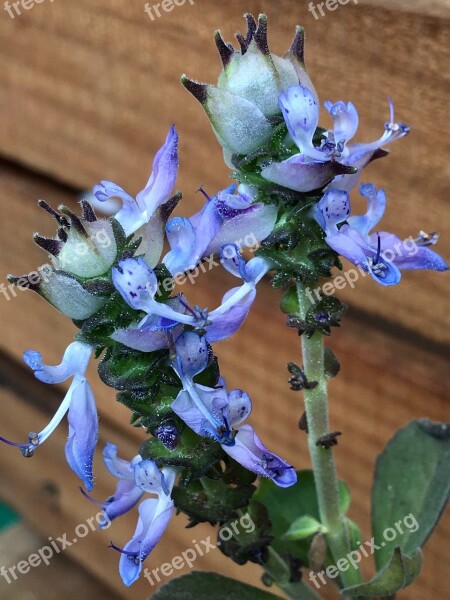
(323, 464)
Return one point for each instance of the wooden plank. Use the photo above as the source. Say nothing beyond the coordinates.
(88, 90)
(60, 578)
(439, 8)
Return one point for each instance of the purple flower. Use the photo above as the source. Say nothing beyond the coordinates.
(345, 119)
(79, 403)
(381, 254)
(136, 212)
(315, 166)
(215, 412)
(137, 477)
(224, 219)
(138, 285)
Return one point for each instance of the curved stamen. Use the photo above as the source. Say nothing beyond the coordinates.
(202, 191)
(90, 498)
(27, 450)
(131, 555)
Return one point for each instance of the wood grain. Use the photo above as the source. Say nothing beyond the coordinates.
(89, 89)
(60, 578)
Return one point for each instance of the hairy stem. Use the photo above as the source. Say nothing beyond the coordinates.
(324, 468)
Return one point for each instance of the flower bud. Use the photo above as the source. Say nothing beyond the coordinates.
(90, 248)
(243, 105)
(62, 291)
(83, 252)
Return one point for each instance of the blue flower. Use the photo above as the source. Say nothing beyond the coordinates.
(224, 219)
(138, 285)
(381, 254)
(345, 119)
(225, 320)
(215, 412)
(315, 166)
(79, 403)
(137, 477)
(137, 212)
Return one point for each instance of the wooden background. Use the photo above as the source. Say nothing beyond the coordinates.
(88, 90)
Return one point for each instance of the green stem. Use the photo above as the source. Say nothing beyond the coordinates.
(324, 468)
(279, 571)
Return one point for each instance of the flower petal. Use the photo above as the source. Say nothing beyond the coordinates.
(193, 354)
(154, 516)
(246, 229)
(332, 210)
(141, 339)
(163, 177)
(251, 453)
(301, 114)
(75, 360)
(239, 406)
(136, 282)
(376, 201)
(226, 323)
(346, 120)
(118, 467)
(299, 174)
(126, 496)
(350, 245)
(149, 478)
(407, 254)
(130, 214)
(182, 238)
(83, 432)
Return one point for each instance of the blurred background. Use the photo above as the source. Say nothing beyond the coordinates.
(88, 90)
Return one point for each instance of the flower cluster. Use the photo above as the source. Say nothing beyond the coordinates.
(172, 339)
(294, 180)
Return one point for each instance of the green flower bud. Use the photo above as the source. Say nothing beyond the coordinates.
(90, 249)
(77, 280)
(243, 107)
(61, 290)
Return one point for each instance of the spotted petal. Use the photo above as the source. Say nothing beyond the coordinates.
(136, 282)
(301, 114)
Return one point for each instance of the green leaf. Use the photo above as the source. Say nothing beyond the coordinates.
(204, 586)
(398, 574)
(285, 505)
(411, 488)
(289, 303)
(304, 527)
